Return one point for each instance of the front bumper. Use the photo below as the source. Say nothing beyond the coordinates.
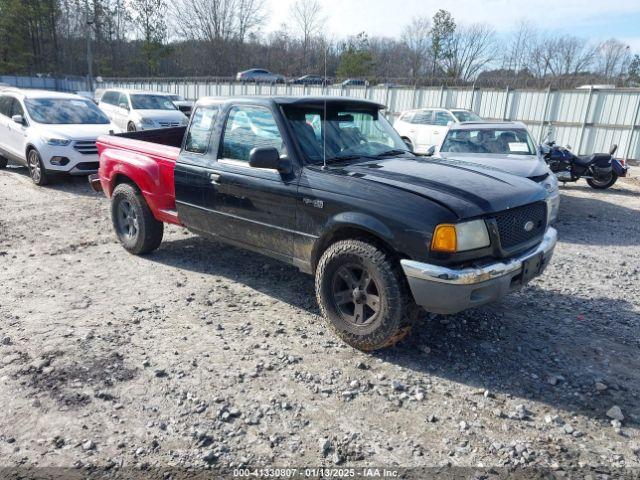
(449, 290)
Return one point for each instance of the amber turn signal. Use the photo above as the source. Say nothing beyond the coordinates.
(444, 239)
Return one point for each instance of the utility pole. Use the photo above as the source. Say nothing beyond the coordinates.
(89, 22)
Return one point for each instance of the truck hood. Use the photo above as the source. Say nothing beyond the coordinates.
(465, 188)
(521, 165)
(76, 132)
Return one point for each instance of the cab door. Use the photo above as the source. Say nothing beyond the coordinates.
(423, 121)
(256, 207)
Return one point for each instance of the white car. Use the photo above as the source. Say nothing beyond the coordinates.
(425, 127)
(507, 146)
(132, 110)
(50, 132)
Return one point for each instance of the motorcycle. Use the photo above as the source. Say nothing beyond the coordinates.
(600, 170)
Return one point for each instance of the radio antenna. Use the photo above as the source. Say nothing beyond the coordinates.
(324, 112)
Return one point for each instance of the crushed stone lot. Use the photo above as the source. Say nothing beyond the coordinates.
(201, 354)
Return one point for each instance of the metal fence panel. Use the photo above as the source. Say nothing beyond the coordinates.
(589, 120)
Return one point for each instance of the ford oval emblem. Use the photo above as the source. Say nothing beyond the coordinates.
(529, 226)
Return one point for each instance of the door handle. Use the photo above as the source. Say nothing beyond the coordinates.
(214, 177)
(436, 132)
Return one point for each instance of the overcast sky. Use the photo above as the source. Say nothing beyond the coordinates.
(596, 19)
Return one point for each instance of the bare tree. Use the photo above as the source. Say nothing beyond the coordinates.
(561, 56)
(612, 58)
(308, 17)
(472, 47)
(518, 47)
(416, 36)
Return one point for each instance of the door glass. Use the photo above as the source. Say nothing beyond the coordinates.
(442, 119)
(123, 99)
(249, 127)
(423, 117)
(200, 130)
(16, 108)
(5, 106)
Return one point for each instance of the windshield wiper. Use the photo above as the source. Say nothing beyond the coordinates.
(342, 158)
(395, 151)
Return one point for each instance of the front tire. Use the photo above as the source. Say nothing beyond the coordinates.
(135, 226)
(37, 171)
(363, 296)
(603, 184)
(131, 127)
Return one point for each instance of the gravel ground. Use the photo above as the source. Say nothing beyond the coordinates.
(202, 354)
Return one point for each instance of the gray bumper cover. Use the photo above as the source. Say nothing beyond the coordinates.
(448, 290)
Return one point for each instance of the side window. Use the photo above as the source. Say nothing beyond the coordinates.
(108, 98)
(16, 108)
(249, 127)
(5, 106)
(200, 130)
(407, 117)
(423, 117)
(123, 99)
(443, 119)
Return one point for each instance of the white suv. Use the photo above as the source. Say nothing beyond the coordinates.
(50, 132)
(426, 127)
(133, 111)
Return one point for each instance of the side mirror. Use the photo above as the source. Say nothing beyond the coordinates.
(19, 119)
(613, 149)
(269, 158)
(430, 151)
(124, 105)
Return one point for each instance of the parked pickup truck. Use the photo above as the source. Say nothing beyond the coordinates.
(327, 185)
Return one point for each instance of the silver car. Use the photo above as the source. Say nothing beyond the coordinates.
(507, 146)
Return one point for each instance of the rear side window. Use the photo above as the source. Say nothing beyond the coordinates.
(5, 106)
(423, 117)
(249, 127)
(200, 130)
(110, 98)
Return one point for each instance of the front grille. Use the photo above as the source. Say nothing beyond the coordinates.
(86, 147)
(539, 178)
(511, 224)
(169, 124)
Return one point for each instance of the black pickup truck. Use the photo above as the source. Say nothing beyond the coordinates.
(326, 184)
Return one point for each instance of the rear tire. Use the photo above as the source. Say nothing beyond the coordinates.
(37, 171)
(135, 226)
(408, 142)
(603, 185)
(131, 127)
(363, 295)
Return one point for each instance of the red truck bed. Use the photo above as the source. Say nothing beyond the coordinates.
(147, 159)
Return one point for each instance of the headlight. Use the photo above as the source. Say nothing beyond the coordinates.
(57, 142)
(460, 237)
(147, 122)
(185, 121)
(550, 184)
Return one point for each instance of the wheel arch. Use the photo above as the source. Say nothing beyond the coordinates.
(356, 227)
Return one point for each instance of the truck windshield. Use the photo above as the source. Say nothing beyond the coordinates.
(347, 133)
(151, 102)
(489, 140)
(65, 111)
